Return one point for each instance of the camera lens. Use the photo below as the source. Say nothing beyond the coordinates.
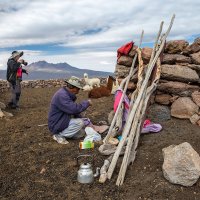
(25, 63)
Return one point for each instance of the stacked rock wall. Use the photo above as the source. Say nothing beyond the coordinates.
(179, 86)
(4, 85)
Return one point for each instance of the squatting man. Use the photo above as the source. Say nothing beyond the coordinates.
(64, 119)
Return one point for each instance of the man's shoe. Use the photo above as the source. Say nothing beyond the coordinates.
(17, 107)
(13, 107)
(9, 105)
(60, 140)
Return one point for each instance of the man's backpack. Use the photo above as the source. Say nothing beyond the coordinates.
(11, 74)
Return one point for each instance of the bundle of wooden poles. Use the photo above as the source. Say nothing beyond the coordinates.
(148, 77)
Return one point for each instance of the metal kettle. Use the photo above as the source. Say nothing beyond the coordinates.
(85, 173)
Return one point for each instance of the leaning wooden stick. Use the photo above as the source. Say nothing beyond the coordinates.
(129, 146)
(104, 168)
(140, 78)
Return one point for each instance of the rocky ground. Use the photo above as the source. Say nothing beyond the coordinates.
(34, 166)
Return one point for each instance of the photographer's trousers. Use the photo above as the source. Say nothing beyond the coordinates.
(15, 93)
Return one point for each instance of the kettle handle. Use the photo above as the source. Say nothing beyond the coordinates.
(86, 155)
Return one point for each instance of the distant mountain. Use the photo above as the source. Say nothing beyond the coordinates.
(43, 70)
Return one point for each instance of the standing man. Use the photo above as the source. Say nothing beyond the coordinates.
(14, 77)
(64, 119)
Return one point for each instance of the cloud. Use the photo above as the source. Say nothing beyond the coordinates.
(86, 26)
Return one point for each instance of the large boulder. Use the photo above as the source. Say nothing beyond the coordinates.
(196, 58)
(177, 88)
(179, 73)
(184, 108)
(181, 164)
(176, 46)
(196, 97)
(175, 58)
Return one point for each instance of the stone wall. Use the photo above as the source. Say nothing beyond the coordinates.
(179, 86)
(4, 85)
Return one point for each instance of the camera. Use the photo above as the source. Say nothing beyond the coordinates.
(25, 63)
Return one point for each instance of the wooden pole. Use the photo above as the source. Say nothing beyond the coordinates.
(104, 168)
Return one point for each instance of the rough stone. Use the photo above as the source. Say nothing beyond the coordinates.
(163, 99)
(177, 88)
(133, 51)
(184, 108)
(121, 71)
(158, 113)
(176, 46)
(125, 60)
(193, 48)
(181, 164)
(191, 66)
(179, 73)
(196, 58)
(175, 58)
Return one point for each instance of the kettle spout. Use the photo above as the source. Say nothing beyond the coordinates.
(97, 172)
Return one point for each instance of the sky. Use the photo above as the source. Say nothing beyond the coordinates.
(87, 33)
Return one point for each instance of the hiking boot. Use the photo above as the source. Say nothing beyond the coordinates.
(13, 107)
(9, 105)
(60, 139)
(17, 107)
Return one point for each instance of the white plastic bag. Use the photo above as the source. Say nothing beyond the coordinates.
(91, 135)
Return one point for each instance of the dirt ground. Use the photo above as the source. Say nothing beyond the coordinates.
(34, 166)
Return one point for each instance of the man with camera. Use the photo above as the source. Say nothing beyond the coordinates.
(14, 77)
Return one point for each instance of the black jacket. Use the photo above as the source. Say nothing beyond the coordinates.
(12, 67)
